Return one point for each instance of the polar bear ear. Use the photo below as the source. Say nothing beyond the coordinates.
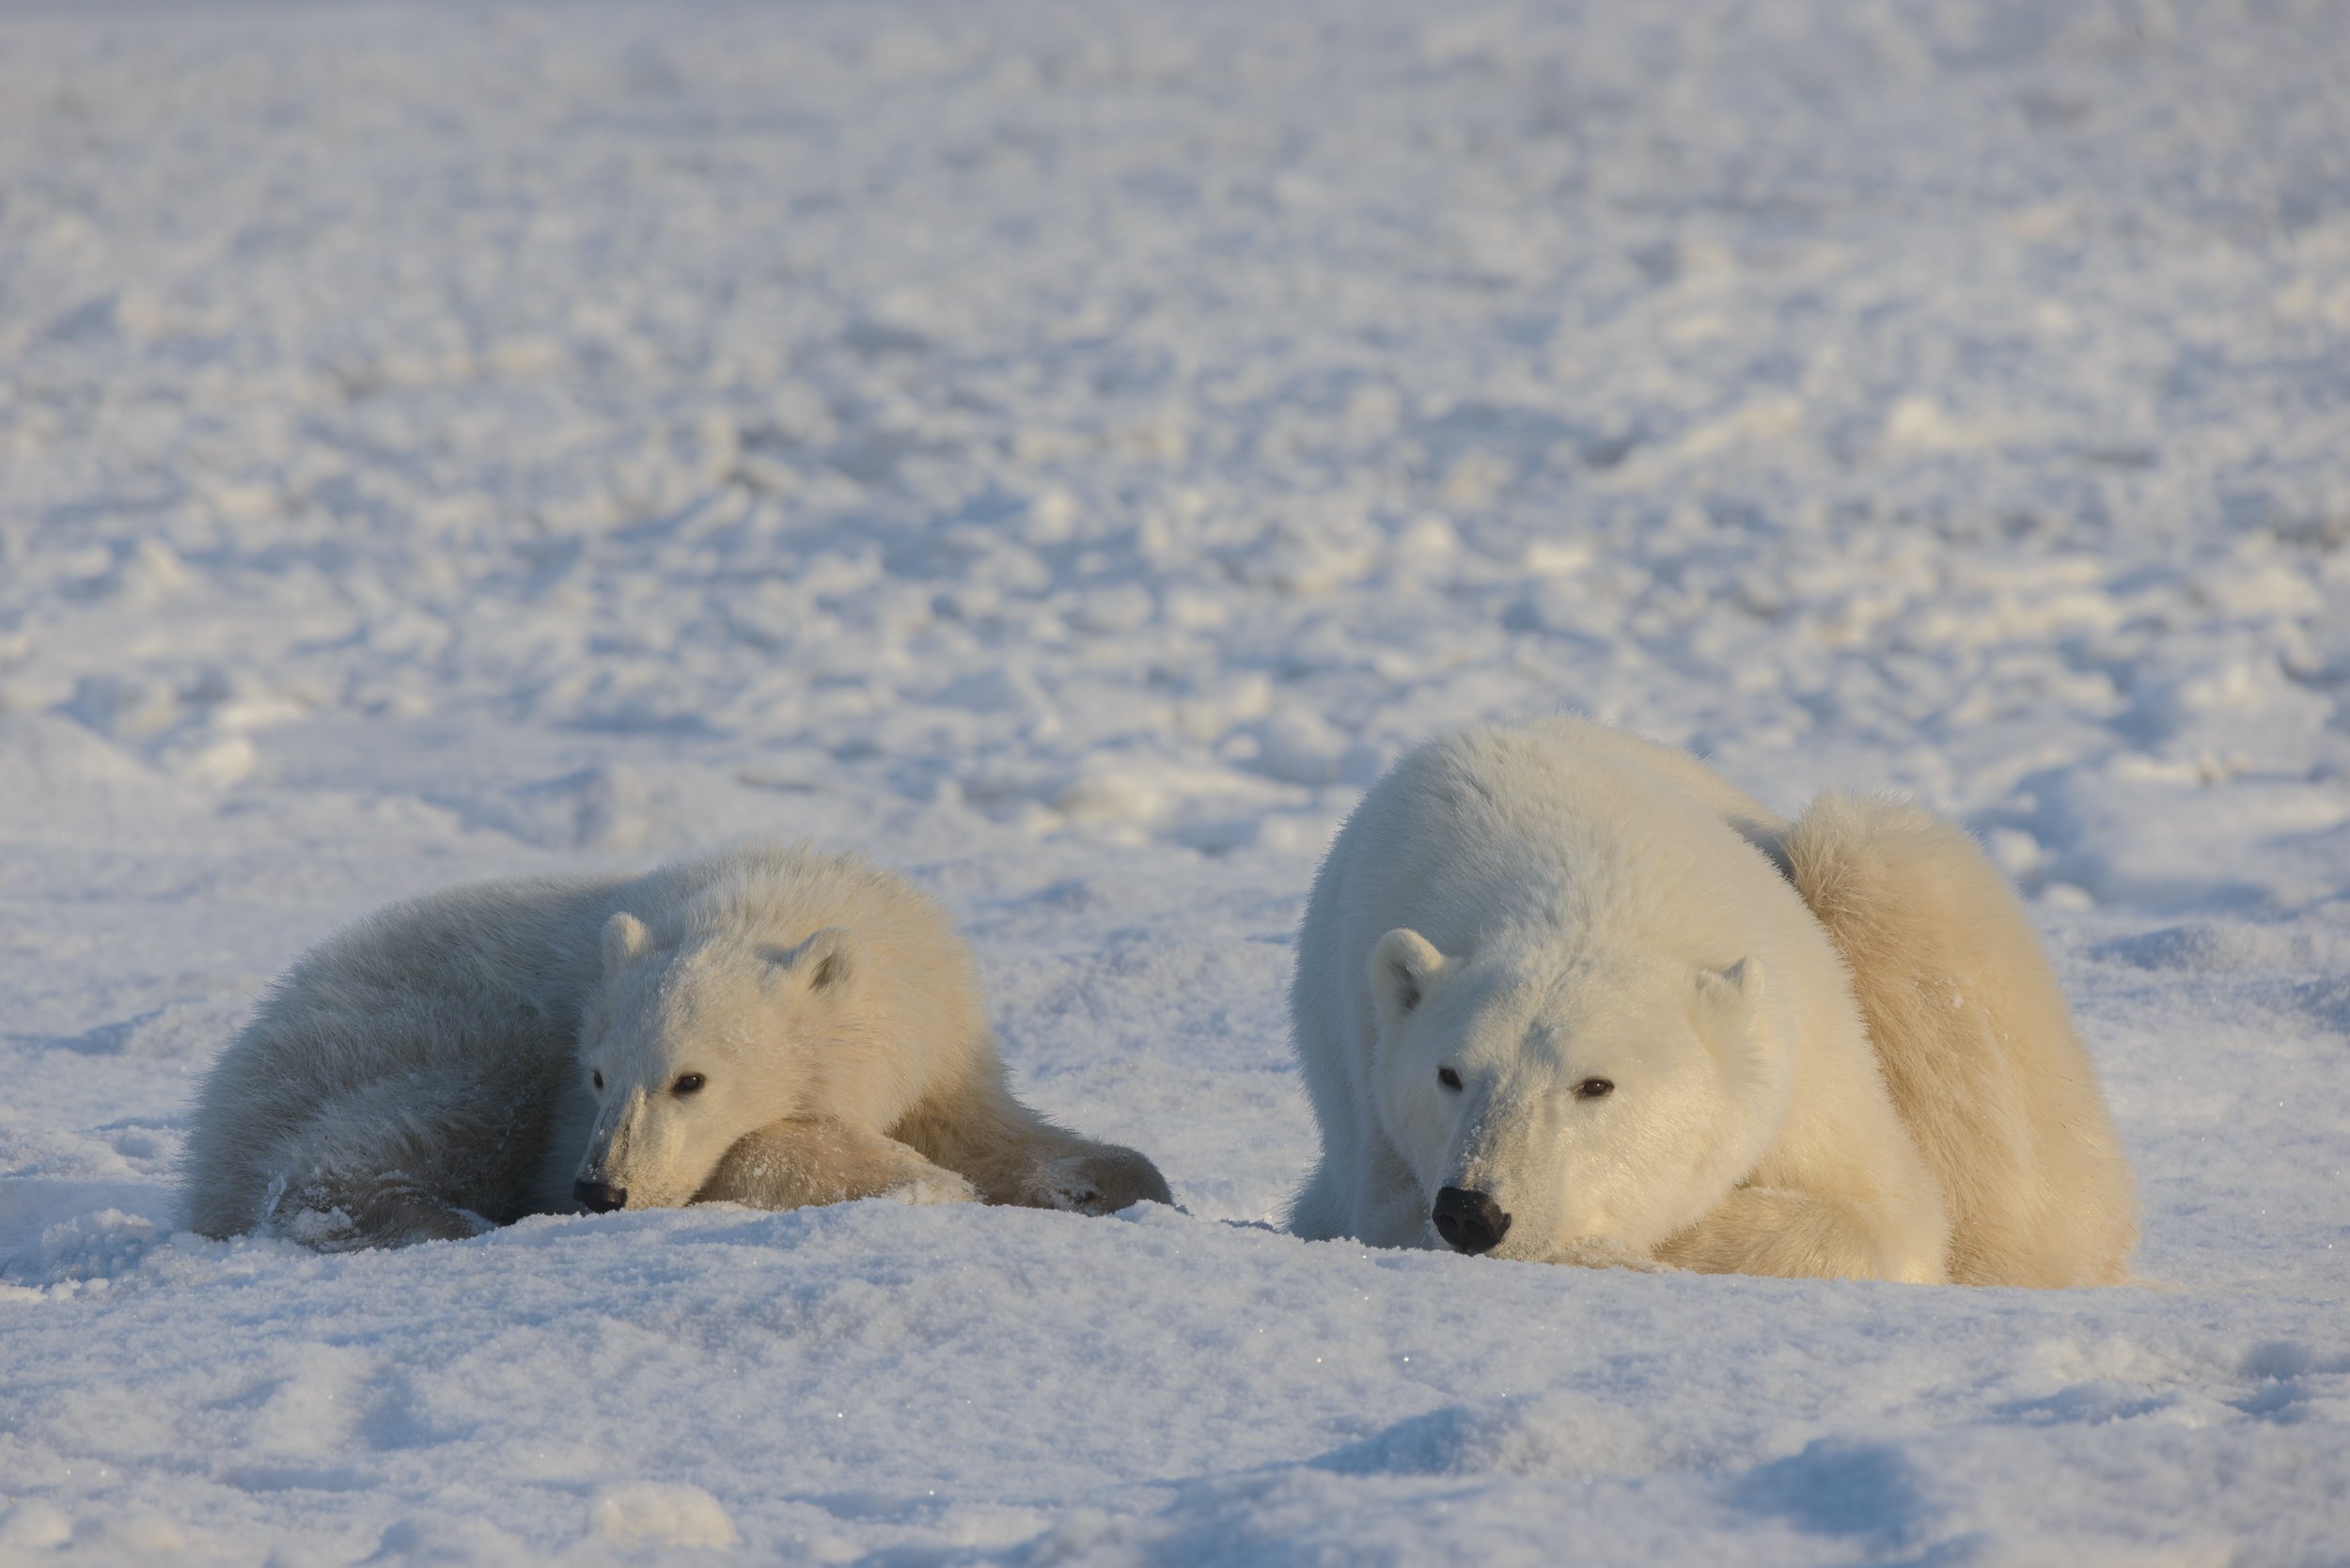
(625, 940)
(1725, 998)
(1403, 967)
(826, 961)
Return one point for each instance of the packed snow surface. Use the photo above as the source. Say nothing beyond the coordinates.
(1067, 450)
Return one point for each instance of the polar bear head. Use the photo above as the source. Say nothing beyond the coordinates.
(1547, 1102)
(690, 1046)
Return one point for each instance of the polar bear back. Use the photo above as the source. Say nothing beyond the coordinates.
(1975, 1042)
(1487, 826)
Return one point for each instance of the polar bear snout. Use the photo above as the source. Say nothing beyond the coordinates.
(1469, 1221)
(600, 1198)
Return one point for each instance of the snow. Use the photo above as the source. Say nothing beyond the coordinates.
(1068, 450)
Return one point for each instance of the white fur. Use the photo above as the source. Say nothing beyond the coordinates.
(431, 1070)
(1537, 905)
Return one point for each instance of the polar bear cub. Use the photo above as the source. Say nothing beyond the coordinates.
(768, 1026)
(1555, 1000)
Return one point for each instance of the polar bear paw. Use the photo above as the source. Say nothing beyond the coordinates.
(943, 1187)
(1102, 1181)
(1606, 1252)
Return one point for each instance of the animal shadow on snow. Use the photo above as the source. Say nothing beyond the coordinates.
(1868, 1493)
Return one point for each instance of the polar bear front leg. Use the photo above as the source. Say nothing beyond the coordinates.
(1095, 1179)
(1605, 1252)
(1793, 1234)
(1011, 1155)
(799, 1163)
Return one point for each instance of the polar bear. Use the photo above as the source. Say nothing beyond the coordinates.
(768, 1026)
(1559, 996)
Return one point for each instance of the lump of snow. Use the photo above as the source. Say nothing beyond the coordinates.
(660, 1513)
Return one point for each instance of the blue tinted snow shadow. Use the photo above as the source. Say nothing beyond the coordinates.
(1836, 1486)
(1436, 1443)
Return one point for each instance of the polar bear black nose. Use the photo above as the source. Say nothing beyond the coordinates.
(1469, 1221)
(600, 1198)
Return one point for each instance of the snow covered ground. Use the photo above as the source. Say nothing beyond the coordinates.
(1067, 449)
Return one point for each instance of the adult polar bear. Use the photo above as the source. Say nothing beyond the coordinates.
(769, 1026)
(1564, 995)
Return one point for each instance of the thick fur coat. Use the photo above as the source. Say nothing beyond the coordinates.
(1563, 995)
(768, 1026)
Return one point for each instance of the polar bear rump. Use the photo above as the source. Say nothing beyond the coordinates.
(1974, 1040)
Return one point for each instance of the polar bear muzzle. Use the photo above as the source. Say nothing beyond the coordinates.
(600, 1198)
(1469, 1221)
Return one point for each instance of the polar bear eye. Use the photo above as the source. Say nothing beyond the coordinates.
(1593, 1089)
(598, 1079)
(1447, 1077)
(687, 1083)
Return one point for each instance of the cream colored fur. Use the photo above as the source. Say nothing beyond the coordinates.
(1910, 1103)
(1890, 1088)
(1523, 908)
(1976, 1042)
(435, 1069)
